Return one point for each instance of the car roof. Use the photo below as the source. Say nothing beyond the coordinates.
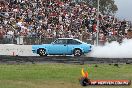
(65, 38)
(71, 38)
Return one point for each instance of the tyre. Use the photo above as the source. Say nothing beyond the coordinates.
(77, 52)
(42, 52)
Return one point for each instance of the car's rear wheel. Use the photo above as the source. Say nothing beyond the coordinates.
(42, 52)
(77, 52)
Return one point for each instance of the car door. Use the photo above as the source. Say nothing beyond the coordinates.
(58, 47)
(72, 44)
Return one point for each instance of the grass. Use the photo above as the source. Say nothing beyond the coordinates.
(59, 75)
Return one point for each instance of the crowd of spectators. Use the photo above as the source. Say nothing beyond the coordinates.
(58, 18)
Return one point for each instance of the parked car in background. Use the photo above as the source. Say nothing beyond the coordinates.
(63, 46)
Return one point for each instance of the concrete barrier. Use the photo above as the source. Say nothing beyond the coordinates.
(13, 50)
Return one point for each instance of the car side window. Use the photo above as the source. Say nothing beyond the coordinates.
(71, 41)
(61, 41)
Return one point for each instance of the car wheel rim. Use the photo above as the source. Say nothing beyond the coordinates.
(42, 52)
(77, 53)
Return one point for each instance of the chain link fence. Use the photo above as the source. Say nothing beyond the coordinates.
(22, 40)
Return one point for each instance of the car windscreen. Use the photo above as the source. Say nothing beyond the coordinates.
(72, 41)
(60, 41)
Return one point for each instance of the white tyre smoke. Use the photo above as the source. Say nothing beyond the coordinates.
(113, 50)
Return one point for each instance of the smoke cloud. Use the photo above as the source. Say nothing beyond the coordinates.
(113, 50)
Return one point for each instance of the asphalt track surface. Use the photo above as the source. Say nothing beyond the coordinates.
(63, 59)
(23, 54)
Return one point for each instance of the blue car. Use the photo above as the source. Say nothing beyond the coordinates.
(63, 46)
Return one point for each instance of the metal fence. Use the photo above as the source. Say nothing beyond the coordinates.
(22, 40)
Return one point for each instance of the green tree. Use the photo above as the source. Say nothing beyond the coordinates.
(106, 6)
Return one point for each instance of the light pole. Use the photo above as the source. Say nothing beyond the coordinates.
(97, 34)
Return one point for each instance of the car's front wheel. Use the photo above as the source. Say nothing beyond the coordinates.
(42, 52)
(77, 52)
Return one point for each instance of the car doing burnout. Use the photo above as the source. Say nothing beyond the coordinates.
(63, 46)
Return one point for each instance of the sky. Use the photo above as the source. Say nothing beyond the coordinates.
(124, 9)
